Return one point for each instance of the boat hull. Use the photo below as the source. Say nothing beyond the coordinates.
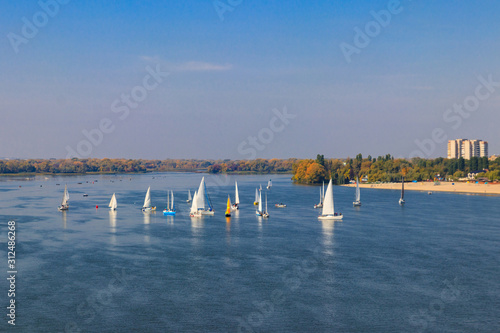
(318, 206)
(330, 217)
(168, 213)
(402, 202)
(356, 203)
(207, 212)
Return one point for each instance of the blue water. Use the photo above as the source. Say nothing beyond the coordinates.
(431, 266)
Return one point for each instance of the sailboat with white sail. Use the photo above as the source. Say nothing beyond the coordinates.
(265, 213)
(269, 184)
(328, 212)
(236, 204)
(170, 210)
(357, 197)
(256, 202)
(189, 197)
(204, 203)
(113, 204)
(147, 202)
(321, 197)
(259, 209)
(402, 199)
(194, 212)
(65, 200)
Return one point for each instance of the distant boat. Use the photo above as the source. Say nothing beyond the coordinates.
(64, 203)
(85, 194)
(147, 202)
(357, 198)
(269, 184)
(402, 199)
(265, 214)
(170, 210)
(113, 204)
(236, 204)
(228, 208)
(194, 212)
(204, 203)
(321, 197)
(256, 202)
(259, 210)
(328, 212)
(189, 197)
(280, 205)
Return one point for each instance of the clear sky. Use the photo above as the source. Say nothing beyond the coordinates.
(296, 76)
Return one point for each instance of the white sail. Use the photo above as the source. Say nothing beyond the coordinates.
(168, 200)
(269, 184)
(256, 195)
(189, 195)
(358, 193)
(260, 202)
(173, 207)
(323, 194)
(320, 196)
(65, 198)
(266, 202)
(147, 199)
(113, 204)
(200, 196)
(194, 204)
(328, 205)
(236, 194)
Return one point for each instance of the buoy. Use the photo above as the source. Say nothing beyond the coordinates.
(96, 206)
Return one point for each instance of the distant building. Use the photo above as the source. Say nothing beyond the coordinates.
(494, 157)
(467, 148)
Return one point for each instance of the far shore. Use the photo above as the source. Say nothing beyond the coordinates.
(456, 187)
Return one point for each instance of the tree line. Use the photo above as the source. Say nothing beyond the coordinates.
(341, 171)
(107, 165)
(388, 169)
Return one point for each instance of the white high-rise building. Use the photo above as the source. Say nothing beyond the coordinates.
(467, 148)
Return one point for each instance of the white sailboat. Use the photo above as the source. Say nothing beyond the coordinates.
(236, 204)
(204, 204)
(321, 197)
(113, 204)
(189, 197)
(256, 202)
(64, 203)
(328, 212)
(402, 199)
(269, 184)
(357, 198)
(194, 212)
(170, 210)
(265, 214)
(147, 202)
(259, 210)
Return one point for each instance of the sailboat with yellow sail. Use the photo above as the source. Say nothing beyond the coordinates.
(228, 209)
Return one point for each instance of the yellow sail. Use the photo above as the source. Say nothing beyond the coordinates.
(228, 209)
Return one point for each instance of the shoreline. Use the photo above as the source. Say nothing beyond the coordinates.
(458, 187)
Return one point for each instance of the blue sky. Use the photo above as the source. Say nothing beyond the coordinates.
(227, 76)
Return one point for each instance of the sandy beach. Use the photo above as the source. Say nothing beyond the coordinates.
(457, 187)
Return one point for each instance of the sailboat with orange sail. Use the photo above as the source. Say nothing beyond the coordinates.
(228, 209)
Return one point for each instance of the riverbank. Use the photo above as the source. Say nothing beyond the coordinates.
(456, 187)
